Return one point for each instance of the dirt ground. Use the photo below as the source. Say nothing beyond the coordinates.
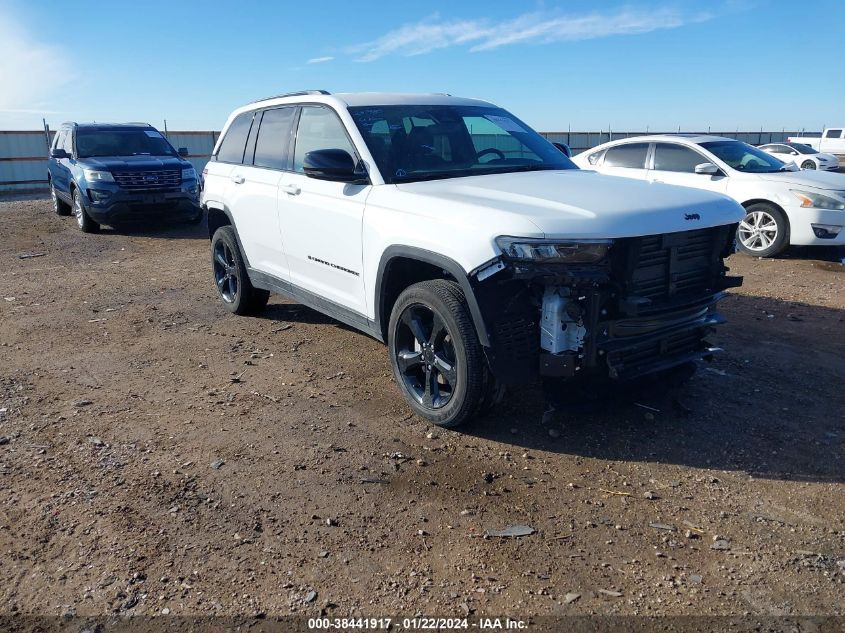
(159, 455)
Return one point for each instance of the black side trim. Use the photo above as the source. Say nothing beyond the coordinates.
(351, 318)
(436, 259)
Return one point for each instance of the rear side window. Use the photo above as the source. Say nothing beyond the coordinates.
(271, 148)
(319, 128)
(833, 134)
(628, 155)
(669, 157)
(232, 148)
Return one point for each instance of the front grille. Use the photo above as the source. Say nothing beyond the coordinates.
(148, 180)
(668, 267)
(630, 360)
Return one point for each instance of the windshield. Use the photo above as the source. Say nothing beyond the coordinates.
(427, 142)
(744, 157)
(804, 149)
(130, 142)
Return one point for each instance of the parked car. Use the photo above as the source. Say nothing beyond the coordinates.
(783, 205)
(109, 173)
(832, 140)
(479, 265)
(802, 155)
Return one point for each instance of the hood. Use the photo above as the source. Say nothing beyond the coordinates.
(133, 163)
(578, 204)
(807, 178)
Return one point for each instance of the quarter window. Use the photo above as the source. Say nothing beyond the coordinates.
(670, 157)
(833, 134)
(319, 128)
(232, 148)
(67, 142)
(58, 142)
(271, 148)
(593, 158)
(628, 155)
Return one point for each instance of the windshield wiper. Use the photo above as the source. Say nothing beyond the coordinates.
(432, 175)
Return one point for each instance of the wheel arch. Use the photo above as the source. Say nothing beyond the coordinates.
(748, 203)
(775, 205)
(401, 266)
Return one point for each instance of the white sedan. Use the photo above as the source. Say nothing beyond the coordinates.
(784, 205)
(802, 155)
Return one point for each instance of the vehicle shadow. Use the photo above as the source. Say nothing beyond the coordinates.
(164, 229)
(298, 313)
(771, 405)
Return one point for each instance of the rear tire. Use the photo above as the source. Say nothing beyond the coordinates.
(764, 232)
(436, 358)
(60, 207)
(231, 277)
(86, 224)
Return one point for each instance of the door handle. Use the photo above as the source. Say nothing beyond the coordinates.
(237, 179)
(291, 189)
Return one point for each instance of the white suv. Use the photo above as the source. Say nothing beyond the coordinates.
(471, 245)
(784, 205)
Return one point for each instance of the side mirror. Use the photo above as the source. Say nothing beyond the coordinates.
(793, 153)
(183, 152)
(707, 168)
(59, 153)
(336, 165)
(564, 149)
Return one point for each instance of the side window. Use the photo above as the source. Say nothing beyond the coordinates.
(232, 148)
(833, 134)
(670, 157)
(319, 128)
(627, 155)
(59, 139)
(271, 148)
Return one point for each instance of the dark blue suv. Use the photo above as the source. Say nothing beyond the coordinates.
(112, 173)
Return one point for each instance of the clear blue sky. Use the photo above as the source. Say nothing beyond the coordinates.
(726, 64)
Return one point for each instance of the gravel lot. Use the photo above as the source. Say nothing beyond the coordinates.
(160, 455)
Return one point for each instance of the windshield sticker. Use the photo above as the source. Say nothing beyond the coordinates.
(506, 123)
(153, 133)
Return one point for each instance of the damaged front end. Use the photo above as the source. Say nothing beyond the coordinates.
(622, 308)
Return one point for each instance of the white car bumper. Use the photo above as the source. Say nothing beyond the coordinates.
(801, 229)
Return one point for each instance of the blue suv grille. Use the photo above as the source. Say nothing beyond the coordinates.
(159, 179)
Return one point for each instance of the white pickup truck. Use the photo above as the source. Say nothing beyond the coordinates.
(832, 140)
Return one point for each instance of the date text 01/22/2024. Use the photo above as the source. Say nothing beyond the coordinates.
(421, 624)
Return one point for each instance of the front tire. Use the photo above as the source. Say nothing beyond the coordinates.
(808, 164)
(437, 360)
(764, 232)
(231, 277)
(86, 224)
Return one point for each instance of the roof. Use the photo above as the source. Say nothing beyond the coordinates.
(352, 99)
(107, 126)
(692, 138)
(398, 98)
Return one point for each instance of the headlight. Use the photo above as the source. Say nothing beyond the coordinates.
(816, 200)
(562, 251)
(92, 175)
(189, 173)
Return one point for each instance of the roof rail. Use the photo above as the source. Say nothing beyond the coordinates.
(299, 93)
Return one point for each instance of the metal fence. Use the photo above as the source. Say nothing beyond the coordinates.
(23, 154)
